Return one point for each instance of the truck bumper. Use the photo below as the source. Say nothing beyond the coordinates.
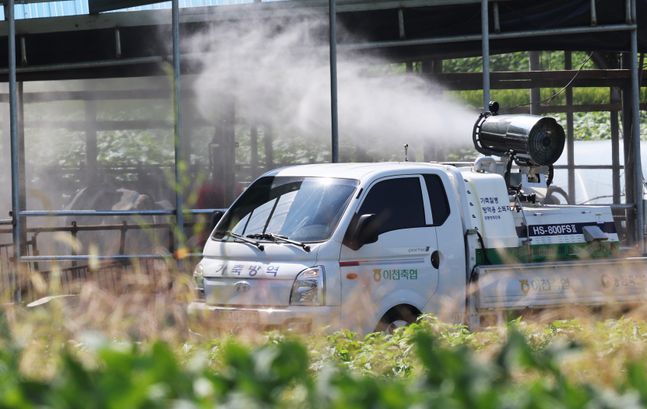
(298, 318)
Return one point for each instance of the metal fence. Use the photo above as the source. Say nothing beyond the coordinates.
(37, 274)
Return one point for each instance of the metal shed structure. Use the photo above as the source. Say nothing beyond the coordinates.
(127, 44)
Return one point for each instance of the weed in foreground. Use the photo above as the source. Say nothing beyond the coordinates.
(279, 373)
(134, 349)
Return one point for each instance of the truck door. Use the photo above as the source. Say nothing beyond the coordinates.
(449, 301)
(397, 269)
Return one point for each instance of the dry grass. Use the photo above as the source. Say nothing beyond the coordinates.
(144, 308)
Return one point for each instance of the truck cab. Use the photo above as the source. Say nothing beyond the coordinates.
(366, 246)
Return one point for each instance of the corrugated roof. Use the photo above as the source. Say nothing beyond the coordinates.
(188, 3)
(50, 9)
(77, 7)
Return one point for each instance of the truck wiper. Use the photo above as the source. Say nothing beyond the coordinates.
(279, 238)
(245, 239)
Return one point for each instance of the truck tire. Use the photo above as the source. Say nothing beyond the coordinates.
(396, 317)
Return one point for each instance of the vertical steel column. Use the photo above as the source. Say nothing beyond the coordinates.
(177, 102)
(253, 147)
(497, 17)
(401, 29)
(627, 135)
(570, 134)
(635, 128)
(594, 14)
(186, 137)
(13, 133)
(535, 93)
(615, 99)
(334, 128)
(91, 151)
(227, 151)
(6, 146)
(22, 180)
(269, 147)
(485, 50)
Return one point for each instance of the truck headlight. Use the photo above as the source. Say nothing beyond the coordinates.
(308, 287)
(198, 279)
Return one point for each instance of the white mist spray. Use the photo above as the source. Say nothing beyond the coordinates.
(281, 77)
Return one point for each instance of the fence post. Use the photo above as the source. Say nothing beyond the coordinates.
(74, 231)
(122, 238)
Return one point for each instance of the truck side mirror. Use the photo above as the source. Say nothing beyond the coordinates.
(362, 230)
(215, 218)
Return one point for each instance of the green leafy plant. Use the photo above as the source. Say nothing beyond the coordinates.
(427, 364)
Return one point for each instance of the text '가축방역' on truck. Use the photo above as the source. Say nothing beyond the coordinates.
(373, 245)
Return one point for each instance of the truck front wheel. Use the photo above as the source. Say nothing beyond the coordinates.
(396, 317)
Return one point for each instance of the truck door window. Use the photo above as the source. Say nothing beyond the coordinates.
(397, 204)
(438, 199)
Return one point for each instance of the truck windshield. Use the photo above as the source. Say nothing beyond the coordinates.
(298, 208)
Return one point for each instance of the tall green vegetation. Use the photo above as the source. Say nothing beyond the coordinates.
(566, 364)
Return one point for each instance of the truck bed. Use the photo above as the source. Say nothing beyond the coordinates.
(558, 284)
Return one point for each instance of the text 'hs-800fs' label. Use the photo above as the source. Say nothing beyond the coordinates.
(566, 228)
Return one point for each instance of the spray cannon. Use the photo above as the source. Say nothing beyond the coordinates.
(529, 140)
(533, 143)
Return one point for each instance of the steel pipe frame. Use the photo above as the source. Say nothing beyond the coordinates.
(117, 257)
(253, 145)
(615, 144)
(83, 257)
(485, 52)
(91, 135)
(89, 64)
(177, 101)
(99, 95)
(219, 13)
(356, 46)
(94, 227)
(334, 122)
(22, 184)
(609, 167)
(80, 125)
(63, 213)
(535, 97)
(83, 228)
(33, 97)
(16, 205)
(230, 12)
(635, 91)
(541, 79)
(635, 109)
(176, 54)
(496, 36)
(570, 132)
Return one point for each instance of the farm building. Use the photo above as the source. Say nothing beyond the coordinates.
(122, 120)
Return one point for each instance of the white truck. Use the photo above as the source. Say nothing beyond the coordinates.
(373, 245)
